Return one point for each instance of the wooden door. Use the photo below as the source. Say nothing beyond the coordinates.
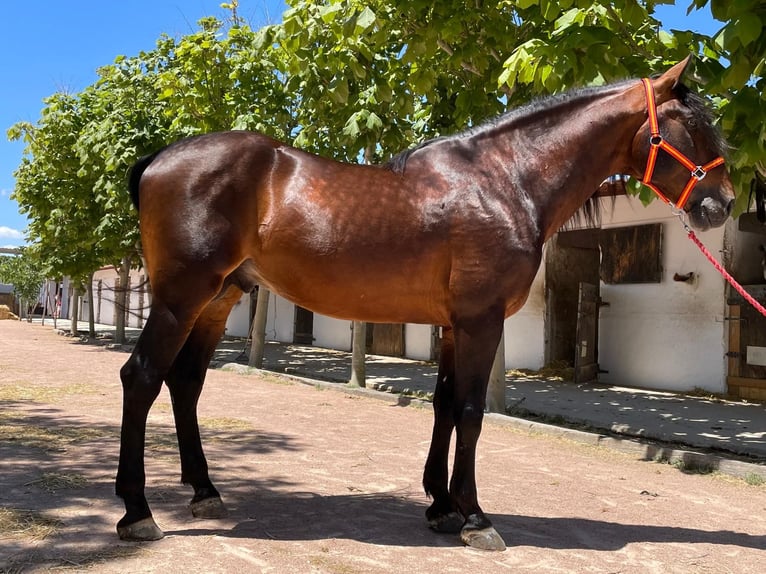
(747, 346)
(388, 339)
(586, 346)
(572, 258)
(304, 326)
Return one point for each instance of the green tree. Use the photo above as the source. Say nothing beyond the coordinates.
(55, 192)
(25, 273)
(576, 42)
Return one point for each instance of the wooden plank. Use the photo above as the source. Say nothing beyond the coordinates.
(758, 292)
(747, 388)
(752, 334)
(388, 339)
(734, 340)
(586, 363)
(745, 382)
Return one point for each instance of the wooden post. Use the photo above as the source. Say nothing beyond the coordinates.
(45, 303)
(120, 303)
(48, 304)
(91, 307)
(258, 332)
(735, 326)
(358, 352)
(74, 310)
(496, 386)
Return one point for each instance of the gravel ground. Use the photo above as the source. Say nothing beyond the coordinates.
(318, 480)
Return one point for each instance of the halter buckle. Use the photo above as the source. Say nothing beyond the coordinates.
(655, 140)
(699, 173)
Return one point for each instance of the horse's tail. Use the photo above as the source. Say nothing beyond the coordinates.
(136, 172)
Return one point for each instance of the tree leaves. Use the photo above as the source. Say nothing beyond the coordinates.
(24, 272)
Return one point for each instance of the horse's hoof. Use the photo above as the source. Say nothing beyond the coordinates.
(450, 523)
(208, 508)
(144, 530)
(483, 539)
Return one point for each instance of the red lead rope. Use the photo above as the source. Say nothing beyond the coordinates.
(733, 282)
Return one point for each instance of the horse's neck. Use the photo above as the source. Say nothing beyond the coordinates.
(561, 155)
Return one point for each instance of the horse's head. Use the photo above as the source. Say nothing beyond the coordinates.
(680, 154)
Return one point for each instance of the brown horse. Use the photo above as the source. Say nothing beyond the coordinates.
(449, 233)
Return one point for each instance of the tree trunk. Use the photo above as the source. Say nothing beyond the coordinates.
(358, 352)
(74, 310)
(91, 308)
(120, 301)
(359, 337)
(496, 387)
(258, 332)
(52, 303)
(45, 304)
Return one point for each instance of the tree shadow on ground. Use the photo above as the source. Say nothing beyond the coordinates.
(260, 509)
(57, 501)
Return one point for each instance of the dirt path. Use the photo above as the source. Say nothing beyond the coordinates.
(322, 481)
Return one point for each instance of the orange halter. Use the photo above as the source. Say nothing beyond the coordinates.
(656, 141)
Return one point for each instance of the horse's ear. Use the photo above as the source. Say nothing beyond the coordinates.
(666, 83)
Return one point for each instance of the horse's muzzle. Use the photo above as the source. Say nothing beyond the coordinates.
(710, 213)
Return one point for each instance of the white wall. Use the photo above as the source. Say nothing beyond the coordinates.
(667, 335)
(280, 323)
(138, 309)
(332, 333)
(417, 342)
(525, 332)
(238, 322)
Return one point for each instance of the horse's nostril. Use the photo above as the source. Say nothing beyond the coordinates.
(729, 207)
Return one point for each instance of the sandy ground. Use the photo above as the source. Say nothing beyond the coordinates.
(323, 481)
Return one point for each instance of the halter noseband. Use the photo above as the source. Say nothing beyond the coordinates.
(656, 141)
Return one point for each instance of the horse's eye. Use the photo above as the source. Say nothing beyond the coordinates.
(692, 123)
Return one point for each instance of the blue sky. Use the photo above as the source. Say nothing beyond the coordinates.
(53, 45)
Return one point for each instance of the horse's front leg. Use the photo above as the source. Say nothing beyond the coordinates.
(476, 343)
(442, 515)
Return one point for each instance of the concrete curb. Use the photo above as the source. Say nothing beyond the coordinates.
(649, 450)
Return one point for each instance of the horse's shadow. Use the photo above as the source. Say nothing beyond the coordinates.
(392, 520)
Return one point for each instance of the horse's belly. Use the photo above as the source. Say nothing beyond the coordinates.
(361, 291)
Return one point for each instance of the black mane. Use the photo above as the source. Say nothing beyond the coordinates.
(705, 121)
(398, 163)
(697, 106)
(591, 210)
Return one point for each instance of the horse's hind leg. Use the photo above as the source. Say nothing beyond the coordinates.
(142, 376)
(173, 315)
(185, 381)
